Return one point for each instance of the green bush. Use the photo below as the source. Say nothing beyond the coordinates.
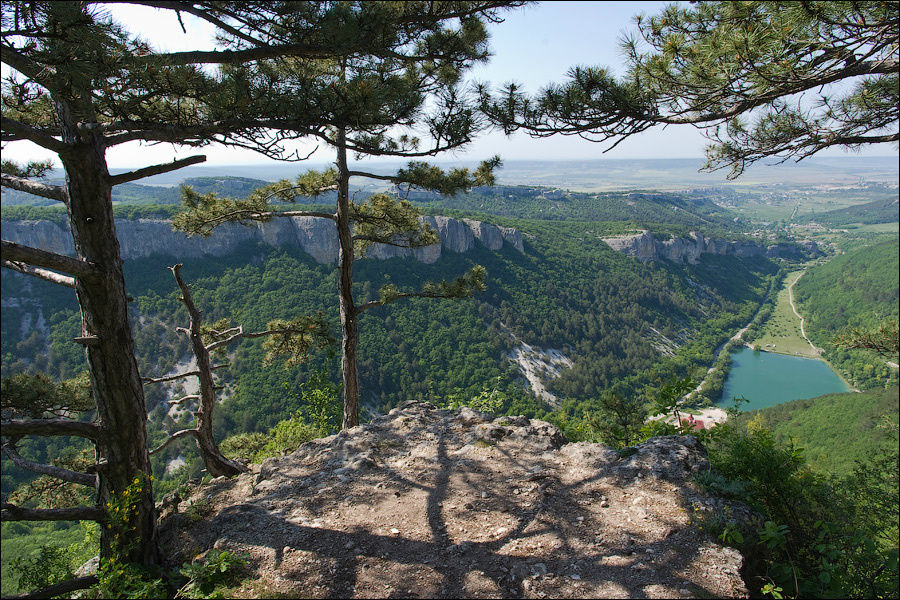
(820, 536)
(244, 446)
(51, 565)
(218, 568)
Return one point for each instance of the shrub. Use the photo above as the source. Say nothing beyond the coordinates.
(217, 568)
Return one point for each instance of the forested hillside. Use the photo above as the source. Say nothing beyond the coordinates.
(856, 289)
(621, 322)
(884, 210)
(835, 431)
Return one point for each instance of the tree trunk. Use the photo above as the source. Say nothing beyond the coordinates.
(115, 380)
(349, 316)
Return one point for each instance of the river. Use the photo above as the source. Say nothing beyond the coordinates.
(767, 379)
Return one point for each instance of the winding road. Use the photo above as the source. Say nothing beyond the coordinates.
(799, 316)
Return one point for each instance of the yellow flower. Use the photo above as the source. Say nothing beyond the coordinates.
(136, 481)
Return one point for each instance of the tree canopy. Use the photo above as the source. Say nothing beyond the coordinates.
(762, 79)
(401, 95)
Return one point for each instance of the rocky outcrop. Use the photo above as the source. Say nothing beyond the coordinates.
(646, 247)
(317, 237)
(432, 503)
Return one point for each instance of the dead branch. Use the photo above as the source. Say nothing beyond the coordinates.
(54, 471)
(11, 512)
(45, 274)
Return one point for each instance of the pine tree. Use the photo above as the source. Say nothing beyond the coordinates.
(373, 102)
(78, 86)
(762, 79)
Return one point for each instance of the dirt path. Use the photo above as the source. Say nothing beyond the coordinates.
(799, 316)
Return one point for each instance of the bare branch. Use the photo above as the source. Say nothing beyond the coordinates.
(13, 129)
(175, 436)
(178, 375)
(226, 341)
(44, 274)
(53, 471)
(183, 399)
(11, 512)
(20, 427)
(59, 589)
(222, 57)
(156, 169)
(58, 262)
(44, 190)
(146, 380)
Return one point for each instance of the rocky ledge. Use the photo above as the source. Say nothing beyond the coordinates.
(645, 247)
(435, 503)
(317, 237)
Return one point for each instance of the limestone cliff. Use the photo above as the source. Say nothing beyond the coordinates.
(435, 503)
(646, 247)
(317, 237)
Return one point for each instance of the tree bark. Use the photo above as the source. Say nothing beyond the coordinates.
(349, 316)
(114, 375)
(216, 463)
(78, 513)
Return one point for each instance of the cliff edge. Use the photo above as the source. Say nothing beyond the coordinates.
(646, 247)
(317, 237)
(423, 502)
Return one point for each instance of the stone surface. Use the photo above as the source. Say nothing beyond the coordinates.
(423, 502)
(315, 236)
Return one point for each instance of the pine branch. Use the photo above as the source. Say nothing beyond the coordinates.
(44, 274)
(63, 427)
(11, 512)
(10, 251)
(40, 73)
(51, 470)
(44, 190)
(156, 169)
(189, 8)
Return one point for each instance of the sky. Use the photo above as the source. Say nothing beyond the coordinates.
(534, 46)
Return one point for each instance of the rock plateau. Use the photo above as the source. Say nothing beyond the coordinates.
(432, 503)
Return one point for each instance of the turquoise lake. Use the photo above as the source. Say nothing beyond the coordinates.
(766, 379)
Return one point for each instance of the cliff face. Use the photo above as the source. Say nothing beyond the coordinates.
(645, 247)
(430, 503)
(317, 237)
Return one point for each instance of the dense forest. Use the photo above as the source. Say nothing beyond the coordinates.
(835, 431)
(855, 289)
